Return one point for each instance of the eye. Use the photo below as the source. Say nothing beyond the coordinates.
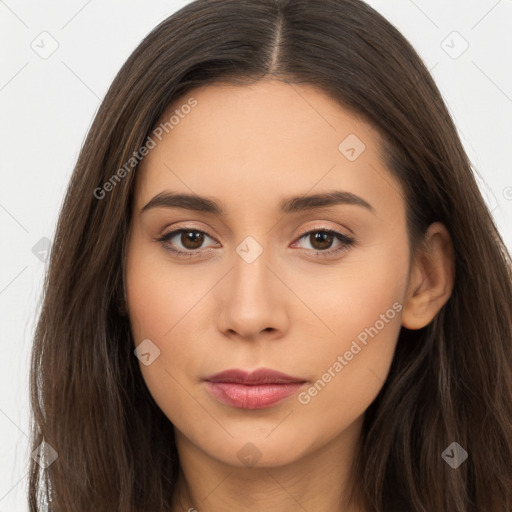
(322, 240)
(190, 239)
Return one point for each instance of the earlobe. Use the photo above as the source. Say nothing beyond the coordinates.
(431, 279)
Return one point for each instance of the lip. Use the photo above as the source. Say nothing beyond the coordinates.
(252, 390)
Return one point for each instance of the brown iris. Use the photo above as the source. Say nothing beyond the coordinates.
(194, 238)
(325, 240)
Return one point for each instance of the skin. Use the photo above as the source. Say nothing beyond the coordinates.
(248, 147)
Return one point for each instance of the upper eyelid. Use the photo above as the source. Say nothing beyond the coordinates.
(346, 231)
(301, 233)
(320, 229)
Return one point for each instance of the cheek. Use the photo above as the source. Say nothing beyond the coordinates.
(351, 370)
(351, 367)
(163, 304)
(362, 310)
(358, 299)
(160, 294)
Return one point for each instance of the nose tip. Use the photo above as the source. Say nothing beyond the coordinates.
(251, 302)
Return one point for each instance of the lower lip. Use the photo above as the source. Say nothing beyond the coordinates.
(252, 397)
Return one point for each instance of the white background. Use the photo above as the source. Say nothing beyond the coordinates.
(47, 106)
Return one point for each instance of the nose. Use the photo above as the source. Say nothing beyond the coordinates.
(252, 300)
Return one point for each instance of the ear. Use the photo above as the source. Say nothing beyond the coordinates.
(431, 278)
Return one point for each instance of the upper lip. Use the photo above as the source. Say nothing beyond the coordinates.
(259, 376)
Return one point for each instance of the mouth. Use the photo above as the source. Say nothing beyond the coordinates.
(253, 390)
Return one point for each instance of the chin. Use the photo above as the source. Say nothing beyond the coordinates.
(257, 449)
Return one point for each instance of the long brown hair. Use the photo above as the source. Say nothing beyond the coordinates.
(449, 381)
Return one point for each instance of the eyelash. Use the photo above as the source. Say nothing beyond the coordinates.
(344, 239)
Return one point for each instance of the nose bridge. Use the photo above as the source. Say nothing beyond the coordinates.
(250, 273)
(251, 301)
(251, 277)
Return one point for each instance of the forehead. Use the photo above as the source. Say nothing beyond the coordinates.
(262, 141)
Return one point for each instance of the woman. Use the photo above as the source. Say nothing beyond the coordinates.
(274, 282)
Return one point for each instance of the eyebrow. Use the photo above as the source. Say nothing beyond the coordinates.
(287, 205)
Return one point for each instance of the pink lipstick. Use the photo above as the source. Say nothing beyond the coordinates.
(252, 390)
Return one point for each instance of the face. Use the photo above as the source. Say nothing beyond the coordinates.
(251, 279)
